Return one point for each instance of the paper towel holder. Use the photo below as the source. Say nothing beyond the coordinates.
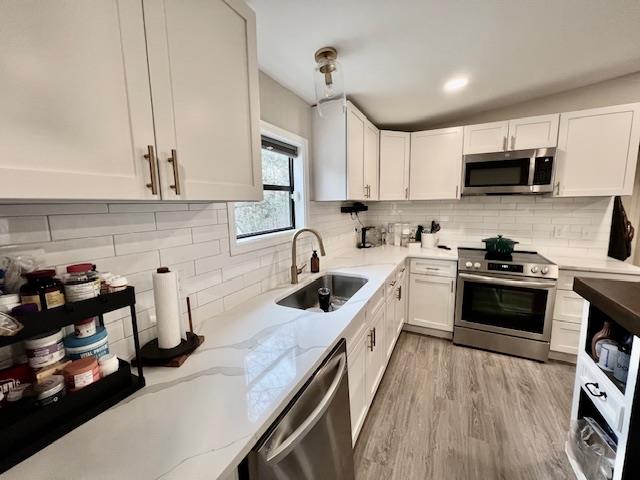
(154, 356)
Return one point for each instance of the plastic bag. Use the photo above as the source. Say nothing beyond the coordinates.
(592, 450)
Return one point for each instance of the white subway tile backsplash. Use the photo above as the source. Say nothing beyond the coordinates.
(125, 264)
(210, 232)
(189, 218)
(93, 225)
(15, 230)
(147, 241)
(189, 252)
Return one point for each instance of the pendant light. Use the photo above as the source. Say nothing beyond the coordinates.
(329, 83)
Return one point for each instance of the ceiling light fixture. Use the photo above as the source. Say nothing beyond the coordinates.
(455, 84)
(329, 83)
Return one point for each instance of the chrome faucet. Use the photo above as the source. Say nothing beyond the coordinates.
(295, 271)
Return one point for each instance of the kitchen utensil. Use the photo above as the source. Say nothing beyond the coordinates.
(499, 245)
(435, 226)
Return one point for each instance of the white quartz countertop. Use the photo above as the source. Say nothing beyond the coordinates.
(595, 264)
(200, 420)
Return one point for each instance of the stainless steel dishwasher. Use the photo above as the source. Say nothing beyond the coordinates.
(311, 440)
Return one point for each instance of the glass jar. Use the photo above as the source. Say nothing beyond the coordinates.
(81, 282)
(43, 289)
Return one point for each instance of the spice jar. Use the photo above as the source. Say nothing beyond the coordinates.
(117, 283)
(43, 289)
(81, 282)
(80, 373)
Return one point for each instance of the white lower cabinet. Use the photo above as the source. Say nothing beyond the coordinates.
(358, 398)
(376, 354)
(565, 337)
(431, 302)
(370, 342)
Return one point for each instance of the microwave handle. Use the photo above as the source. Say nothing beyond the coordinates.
(508, 283)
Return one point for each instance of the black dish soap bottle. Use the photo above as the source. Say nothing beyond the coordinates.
(315, 262)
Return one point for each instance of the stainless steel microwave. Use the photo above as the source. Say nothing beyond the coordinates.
(518, 171)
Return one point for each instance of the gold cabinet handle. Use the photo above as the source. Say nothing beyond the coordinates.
(513, 142)
(173, 160)
(504, 143)
(153, 169)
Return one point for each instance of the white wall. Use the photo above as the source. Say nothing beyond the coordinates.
(135, 239)
(560, 226)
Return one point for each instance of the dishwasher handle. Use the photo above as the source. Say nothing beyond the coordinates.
(281, 451)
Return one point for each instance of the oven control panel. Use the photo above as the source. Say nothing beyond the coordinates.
(505, 267)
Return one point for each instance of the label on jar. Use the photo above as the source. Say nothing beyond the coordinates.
(45, 355)
(81, 291)
(24, 299)
(83, 379)
(83, 330)
(54, 299)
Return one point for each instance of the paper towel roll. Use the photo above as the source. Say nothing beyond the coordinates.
(167, 300)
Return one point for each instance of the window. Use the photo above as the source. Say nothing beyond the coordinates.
(276, 213)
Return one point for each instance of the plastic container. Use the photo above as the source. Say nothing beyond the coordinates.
(105, 278)
(85, 328)
(18, 392)
(43, 289)
(109, 364)
(80, 373)
(50, 390)
(44, 350)
(94, 346)
(117, 284)
(7, 302)
(81, 282)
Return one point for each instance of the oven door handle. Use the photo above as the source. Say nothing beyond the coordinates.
(506, 282)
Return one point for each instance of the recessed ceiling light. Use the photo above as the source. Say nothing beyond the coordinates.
(455, 84)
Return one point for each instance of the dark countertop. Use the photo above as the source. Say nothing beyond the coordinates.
(618, 299)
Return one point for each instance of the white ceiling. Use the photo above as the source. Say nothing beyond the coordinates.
(397, 54)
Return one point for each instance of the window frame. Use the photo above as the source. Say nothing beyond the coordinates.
(267, 187)
(301, 195)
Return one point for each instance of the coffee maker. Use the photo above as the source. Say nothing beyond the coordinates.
(364, 243)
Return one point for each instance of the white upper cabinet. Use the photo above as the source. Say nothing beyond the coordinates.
(371, 160)
(486, 137)
(533, 132)
(345, 156)
(394, 165)
(204, 81)
(598, 151)
(75, 120)
(540, 131)
(436, 164)
(355, 155)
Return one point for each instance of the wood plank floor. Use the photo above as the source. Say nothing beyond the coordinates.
(449, 412)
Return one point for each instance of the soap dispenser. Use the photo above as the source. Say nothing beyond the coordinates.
(315, 262)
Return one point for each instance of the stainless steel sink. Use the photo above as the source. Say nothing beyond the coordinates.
(342, 287)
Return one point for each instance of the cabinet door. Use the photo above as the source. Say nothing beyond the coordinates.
(401, 306)
(376, 358)
(371, 160)
(565, 337)
(436, 164)
(76, 118)
(355, 155)
(204, 80)
(534, 132)
(598, 151)
(394, 165)
(486, 137)
(358, 394)
(390, 326)
(431, 302)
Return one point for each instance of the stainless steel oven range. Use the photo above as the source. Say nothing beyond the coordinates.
(505, 304)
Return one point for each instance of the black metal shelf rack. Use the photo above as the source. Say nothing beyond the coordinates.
(26, 428)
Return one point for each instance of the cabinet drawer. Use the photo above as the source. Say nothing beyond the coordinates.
(565, 337)
(568, 306)
(441, 268)
(605, 396)
(375, 303)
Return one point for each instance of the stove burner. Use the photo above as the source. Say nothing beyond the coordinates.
(505, 257)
